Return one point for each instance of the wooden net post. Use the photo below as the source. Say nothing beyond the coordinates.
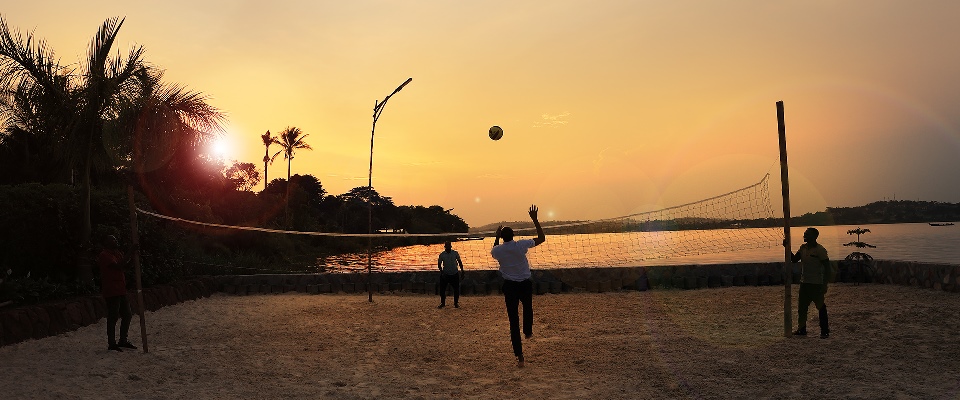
(787, 255)
(135, 239)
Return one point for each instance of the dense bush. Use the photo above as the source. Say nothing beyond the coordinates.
(40, 247)
(39, 230)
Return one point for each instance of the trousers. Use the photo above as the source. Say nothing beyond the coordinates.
(515, 293)
(452, 280)
(118, 308)
(812, 292)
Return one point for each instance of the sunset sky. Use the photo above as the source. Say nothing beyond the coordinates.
(608, 107)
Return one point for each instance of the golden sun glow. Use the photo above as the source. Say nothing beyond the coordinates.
(221, 148)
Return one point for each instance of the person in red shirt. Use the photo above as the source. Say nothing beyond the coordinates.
(113, 286)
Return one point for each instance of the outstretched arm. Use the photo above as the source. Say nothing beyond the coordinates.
(497, 240)
(540, 236)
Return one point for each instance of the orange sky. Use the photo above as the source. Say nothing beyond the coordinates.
(608, 107)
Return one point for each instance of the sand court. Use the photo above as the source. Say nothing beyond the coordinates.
(887, 342)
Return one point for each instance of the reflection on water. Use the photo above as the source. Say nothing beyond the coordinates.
(913, 242)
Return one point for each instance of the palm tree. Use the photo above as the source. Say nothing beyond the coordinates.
(90, 112)
(106, 82)
(267, 141)
(290, 139)
(84, 100)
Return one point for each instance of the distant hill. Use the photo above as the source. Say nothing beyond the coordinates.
(883, 212)
(519, 225)
(880, 212)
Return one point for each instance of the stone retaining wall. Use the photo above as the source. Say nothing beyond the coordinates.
(489, 281)
(53, 318)
(38, 321)
(944, 277)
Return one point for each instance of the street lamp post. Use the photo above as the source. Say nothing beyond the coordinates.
(377, 110)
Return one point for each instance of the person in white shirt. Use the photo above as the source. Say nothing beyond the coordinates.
(517, 286)
(447, 263)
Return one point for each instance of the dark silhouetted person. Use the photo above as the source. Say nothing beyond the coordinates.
(814, 269)
(447, 263)
(517, 286)
(113, 285)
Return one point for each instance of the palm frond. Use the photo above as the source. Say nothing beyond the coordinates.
(193, 110)
(24, 59)
(299, 144)
(268, 139)
(99, 52)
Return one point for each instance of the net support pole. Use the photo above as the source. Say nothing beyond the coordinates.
(787, 256)
(135, 240)
(370, 252)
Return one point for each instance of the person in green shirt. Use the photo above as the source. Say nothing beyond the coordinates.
(814, 269)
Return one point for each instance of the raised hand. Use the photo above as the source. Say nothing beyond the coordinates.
(536, 223)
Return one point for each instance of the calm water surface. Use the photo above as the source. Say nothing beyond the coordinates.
(912, 242)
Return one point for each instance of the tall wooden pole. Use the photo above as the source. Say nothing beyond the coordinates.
(787, 255)
(377, 107)
(377, 110)
(135, 239)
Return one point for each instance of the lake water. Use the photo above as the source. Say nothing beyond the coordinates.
(912, 242)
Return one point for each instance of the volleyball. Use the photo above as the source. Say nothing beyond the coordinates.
(496, 133)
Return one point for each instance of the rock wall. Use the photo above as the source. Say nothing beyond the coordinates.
(545, 280)
(944, 277)
(53, 318)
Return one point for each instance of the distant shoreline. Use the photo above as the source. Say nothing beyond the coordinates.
(880, 212)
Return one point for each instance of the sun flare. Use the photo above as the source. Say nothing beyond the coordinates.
(221, 148)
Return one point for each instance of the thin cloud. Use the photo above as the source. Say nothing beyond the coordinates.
(552, 121)
(491, 176)
(601, 159)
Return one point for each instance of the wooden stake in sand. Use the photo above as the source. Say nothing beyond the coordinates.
(787, 256)
(135, 239)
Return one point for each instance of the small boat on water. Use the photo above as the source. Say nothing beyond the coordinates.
(941, 224)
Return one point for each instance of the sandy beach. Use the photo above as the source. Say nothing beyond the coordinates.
(887, 342)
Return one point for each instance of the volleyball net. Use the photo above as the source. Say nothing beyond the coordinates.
(735, 221)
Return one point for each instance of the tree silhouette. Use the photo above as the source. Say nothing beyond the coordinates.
(362, 198)
(291, 139)
(267, 141)
(83, 100)
(244, 176)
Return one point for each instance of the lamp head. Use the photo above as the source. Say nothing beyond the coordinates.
(401, 86)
